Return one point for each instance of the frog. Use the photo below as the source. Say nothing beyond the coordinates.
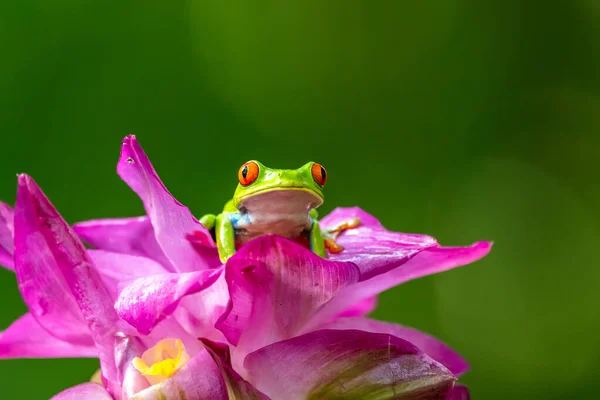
(279, 202)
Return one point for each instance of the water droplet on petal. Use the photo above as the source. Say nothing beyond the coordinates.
(130, 160)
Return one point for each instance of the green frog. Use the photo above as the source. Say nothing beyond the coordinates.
(281, 202)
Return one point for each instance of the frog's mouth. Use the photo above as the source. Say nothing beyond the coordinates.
(293, 198)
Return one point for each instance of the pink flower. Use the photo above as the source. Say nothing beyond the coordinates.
(166, 318)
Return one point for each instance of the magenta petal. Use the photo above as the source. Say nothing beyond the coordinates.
(131, 380)
(25, 338)
(428, 262)
(85, 391)
(359, 309)
(115, 268)
(199, 312)
(39, 270)
(57, 278)
(133, 236)
(7, 232)
(433, 261)
(237, 387)
(349, 364)
(458, 392)
(146, 301)
(431, 346)
(200, 379)
(370, 246)
(173, 223)
(276, 286)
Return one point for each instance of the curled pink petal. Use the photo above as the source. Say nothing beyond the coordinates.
(85, 391)
(115, 268)
(133, 236)
(173, 222)
(276, 286)
(349, 364)
(431, 346)
(39, 271)
(147, 301)
(57, 278)
(25, 338)
(7, 232)
(427, 262)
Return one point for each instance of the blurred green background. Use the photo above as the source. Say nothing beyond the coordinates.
(463, 119)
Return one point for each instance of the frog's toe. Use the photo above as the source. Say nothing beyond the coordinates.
(333, 246)
(344, 226)
(352, 224)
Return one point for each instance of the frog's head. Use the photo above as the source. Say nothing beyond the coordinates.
(259, 182)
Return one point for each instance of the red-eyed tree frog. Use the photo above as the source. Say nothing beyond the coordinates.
(275, 201)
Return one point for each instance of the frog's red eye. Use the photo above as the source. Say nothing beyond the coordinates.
(248, 173)
(319, 174)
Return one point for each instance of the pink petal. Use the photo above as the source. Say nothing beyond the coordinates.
(57, 278)
(200, 379)
(25, 338)
(428, 262)
(276, 286)
(435, 349)
(343, 214)
(173, 223)
(133, 236)
(7, 232)
(85, 391)
(370, 246)
(360, 309)
(237, 387)
(147, 301)
(349, 364)
(132, 381)
(39, 273)
(458, 392)
(199, 312)
(115, 268)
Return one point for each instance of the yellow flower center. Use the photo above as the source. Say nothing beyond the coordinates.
(162, 360)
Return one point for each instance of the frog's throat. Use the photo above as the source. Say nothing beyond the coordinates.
(240, 201)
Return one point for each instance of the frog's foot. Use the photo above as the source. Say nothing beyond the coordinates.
(333, 246)
(331, 235)
(344, 226)
(208, 221)
(224, 257)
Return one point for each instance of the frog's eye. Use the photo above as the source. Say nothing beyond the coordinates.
(319, 174)
(248, 173)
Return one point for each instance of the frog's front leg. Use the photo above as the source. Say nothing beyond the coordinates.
(225, 235)
(208, 221)
(317, 244)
